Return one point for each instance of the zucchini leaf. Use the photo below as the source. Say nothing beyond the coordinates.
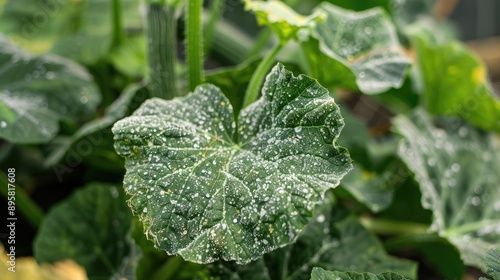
(321, 274)
(334, 240)
(356, 50)
(457, 168)
(204, 195)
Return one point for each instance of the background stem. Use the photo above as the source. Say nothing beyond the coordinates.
(194, 42)
(118, 31)
(161, 32)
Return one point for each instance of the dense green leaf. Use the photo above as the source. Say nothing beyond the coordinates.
(205, 196)
(493, 263)
(91, 227)
(457, 169)
(282, 19)
(320, 274)
(356, 50)
(37, 92)
(117, 110)
(463, 89)
(333, 241)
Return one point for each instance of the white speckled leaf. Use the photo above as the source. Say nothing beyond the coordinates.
(321, 274)
(457, 168)
(334, 240)
(364, 47)
(36, 92)
(492, 261)
(205, 196)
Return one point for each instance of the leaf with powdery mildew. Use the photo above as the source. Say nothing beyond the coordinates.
(204, 195)
(321, 274)
(457, 167)
(492, 261)
(356, 50)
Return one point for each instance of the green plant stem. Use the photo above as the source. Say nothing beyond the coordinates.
(161, 32)
(26, 207)
(194, 42)
(257, 79)
(209, 27)
(391, 227)
(118, 31)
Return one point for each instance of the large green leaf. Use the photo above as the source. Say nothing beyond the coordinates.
(321, 274)
(282, 19)
(457, 169)
(462, 89)
(36, 92)
(92, 227)
(333, 241)
(356, 50)
(205, 196)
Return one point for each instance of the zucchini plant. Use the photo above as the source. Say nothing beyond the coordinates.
(244, 156)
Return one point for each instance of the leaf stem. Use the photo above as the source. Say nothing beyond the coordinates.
(26, 206)
(391, 227)
(194, 42)
(118, 31)
(257, 79)
(161, 32)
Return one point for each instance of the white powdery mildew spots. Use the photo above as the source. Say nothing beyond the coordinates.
(204, 196)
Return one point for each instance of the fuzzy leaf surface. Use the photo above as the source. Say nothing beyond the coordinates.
(205, 196)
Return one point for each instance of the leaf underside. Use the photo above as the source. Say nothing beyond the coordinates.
(205, 196)
(457, 167)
